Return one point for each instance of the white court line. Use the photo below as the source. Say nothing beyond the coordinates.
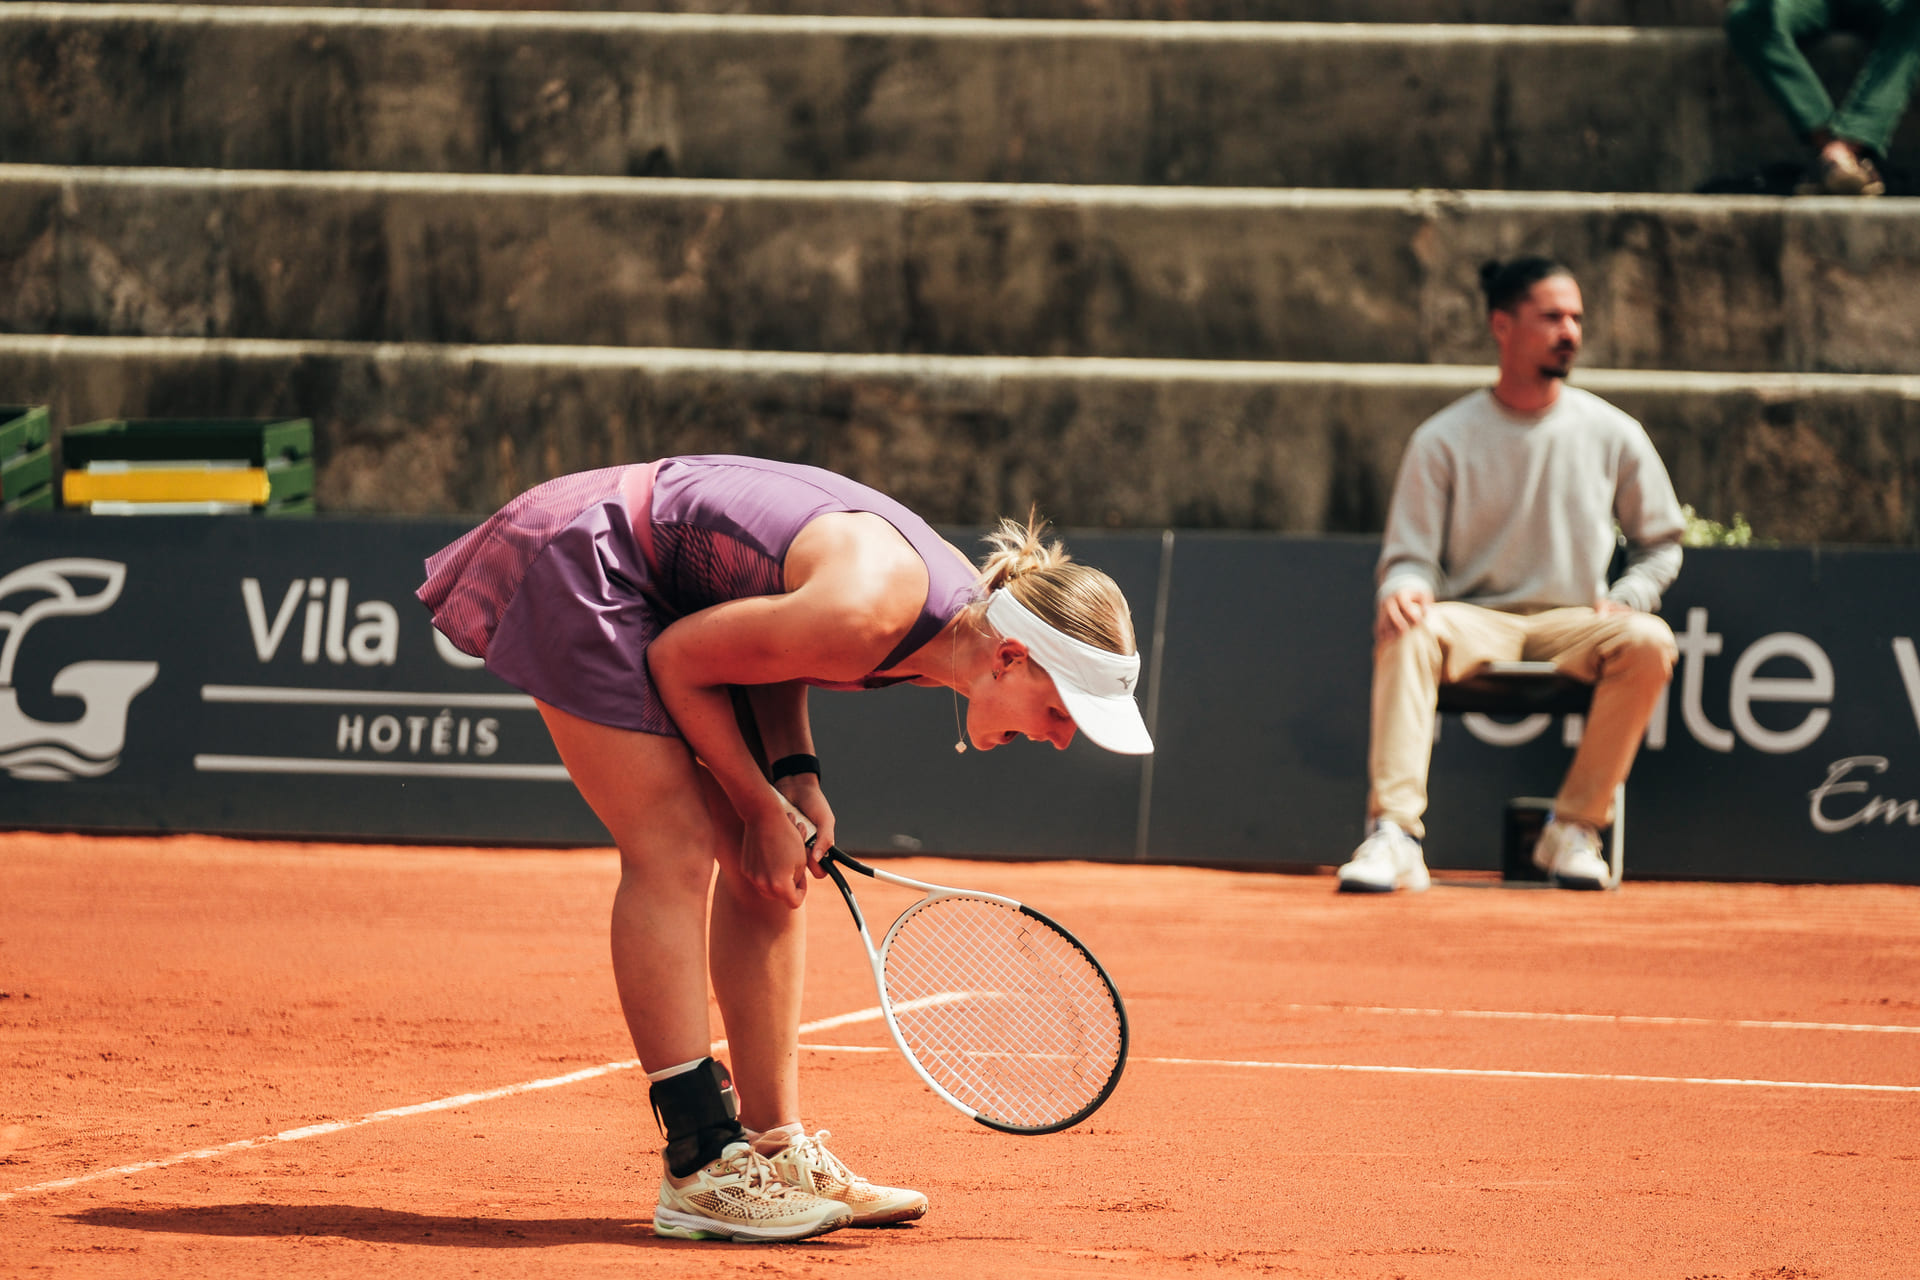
(873, 1015)
(1490, 1072)
(316, 1130)
(421, 1108)
(1624, 1019)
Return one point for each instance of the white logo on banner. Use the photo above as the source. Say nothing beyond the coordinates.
(376, 731)
(60, 750)
(1879, 808)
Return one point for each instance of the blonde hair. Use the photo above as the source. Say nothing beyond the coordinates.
(1070, 597)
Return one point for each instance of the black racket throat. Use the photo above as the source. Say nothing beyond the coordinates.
(832, 861)
(834, 854)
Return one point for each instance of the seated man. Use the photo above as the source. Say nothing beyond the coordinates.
(1850, 143)
(1497, 548)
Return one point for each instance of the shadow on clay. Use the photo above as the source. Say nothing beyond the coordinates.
(387, 1226)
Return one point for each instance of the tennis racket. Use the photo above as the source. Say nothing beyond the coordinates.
(1000, 1011)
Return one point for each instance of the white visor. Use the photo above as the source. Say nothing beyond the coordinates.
(1095, 683)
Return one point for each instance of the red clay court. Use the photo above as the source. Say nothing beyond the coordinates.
(251, 1059)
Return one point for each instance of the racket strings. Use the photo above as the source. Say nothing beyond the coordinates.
(1017, 1022)
(1010, 1073)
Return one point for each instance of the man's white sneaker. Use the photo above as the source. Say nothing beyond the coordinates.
(739, 1197)
(1569, 852)
(1386, 860)
(808, 1165)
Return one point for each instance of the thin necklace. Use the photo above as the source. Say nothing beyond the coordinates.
(953, 666)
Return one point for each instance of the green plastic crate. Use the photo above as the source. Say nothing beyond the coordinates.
(22, 427)
(22, 473)
(256, 441)
(289, 482)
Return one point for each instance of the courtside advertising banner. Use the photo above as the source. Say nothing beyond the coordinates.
(250, 676)
(244, 675)
(277, 677)
(1788, 746)
(1789, 743)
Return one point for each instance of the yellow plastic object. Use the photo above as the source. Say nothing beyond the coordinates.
(168, 484)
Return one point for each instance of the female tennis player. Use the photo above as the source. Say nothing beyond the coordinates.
(668, 619)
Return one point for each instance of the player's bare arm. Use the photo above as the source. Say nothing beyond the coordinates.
(854, 589)
(780, 712)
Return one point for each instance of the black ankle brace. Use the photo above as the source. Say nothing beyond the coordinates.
(698, 1115)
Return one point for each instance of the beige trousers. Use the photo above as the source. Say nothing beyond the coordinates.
(1628, 657)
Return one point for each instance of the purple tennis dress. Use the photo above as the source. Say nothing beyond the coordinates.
(563, 589)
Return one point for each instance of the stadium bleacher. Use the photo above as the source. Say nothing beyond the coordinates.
(1207, 272)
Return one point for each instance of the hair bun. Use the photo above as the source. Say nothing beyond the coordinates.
(1074, 599)
(1017, 549)
(1507, 283)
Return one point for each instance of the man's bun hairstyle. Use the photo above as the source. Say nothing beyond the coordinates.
(1507, 284)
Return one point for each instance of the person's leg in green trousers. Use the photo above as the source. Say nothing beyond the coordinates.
(1767, 35)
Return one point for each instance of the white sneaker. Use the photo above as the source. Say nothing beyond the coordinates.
(1569, 852)
(1388, 859)
(738, 1196)
(808, 1165)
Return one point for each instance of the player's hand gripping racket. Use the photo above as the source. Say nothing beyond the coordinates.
(1002, 1012)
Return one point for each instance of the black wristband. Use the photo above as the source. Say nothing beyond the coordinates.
(787, 766)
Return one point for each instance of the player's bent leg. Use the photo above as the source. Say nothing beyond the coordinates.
(648, 792)
(644, 788)
(757, 962)
(803, 1159)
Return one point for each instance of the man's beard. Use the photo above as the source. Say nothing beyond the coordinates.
(1562, 369)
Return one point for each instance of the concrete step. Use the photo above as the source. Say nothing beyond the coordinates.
(1119, 444)
(1679, 282)
(1592, 13)
(1208, 104)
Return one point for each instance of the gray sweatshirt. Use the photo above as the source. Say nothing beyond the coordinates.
(1517, 512)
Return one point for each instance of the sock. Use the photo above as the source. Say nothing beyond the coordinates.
(770, 1142)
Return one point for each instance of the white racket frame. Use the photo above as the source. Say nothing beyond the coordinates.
(876, 961)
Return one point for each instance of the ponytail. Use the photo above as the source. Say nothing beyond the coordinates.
(1017, 550)
(1072, 598)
